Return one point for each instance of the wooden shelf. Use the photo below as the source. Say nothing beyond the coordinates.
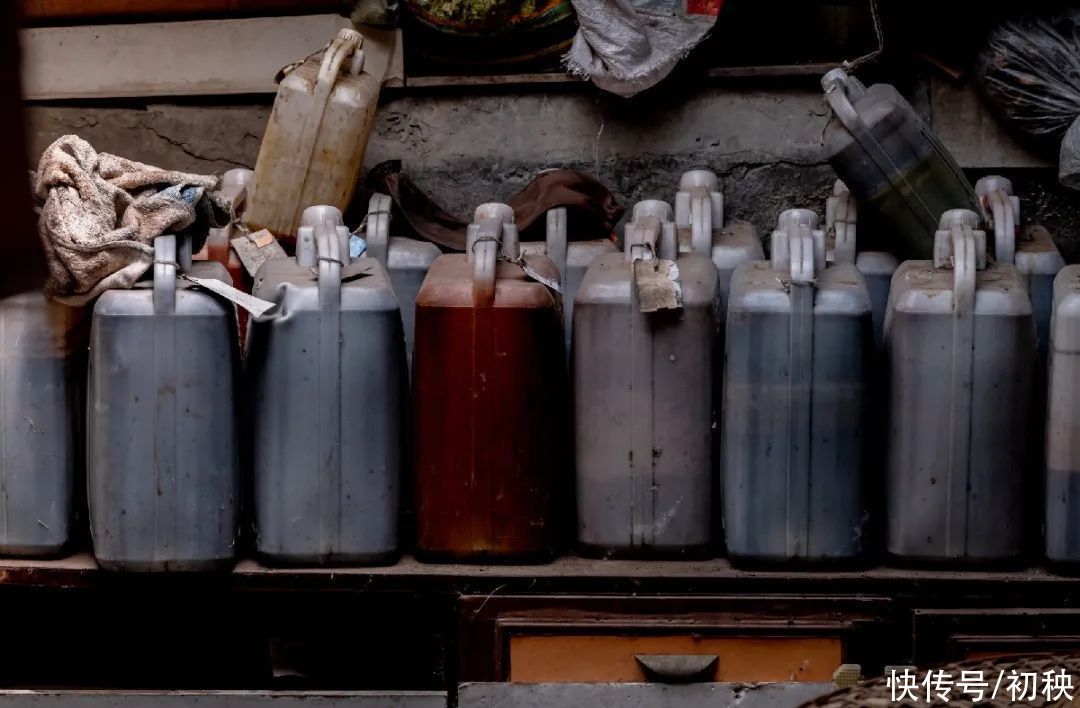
(573, 574)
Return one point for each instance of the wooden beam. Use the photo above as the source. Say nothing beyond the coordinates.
(35, 10)
(205, 57)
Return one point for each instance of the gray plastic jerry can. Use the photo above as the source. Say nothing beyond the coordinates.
(877, 267)
(162, 467)
(960, 350)
(1063, 422)
(407, 261)
(327, 384)
(643, 393)
(796, 391)
(40, 367)
(572, 258)
(699, 218)
(1031, 249)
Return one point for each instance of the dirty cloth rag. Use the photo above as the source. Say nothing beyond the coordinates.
(101, 214)
(627, 46)
(591, 208)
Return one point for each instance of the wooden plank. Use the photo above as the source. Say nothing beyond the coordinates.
(492, 80)
(78, 9)
(205, 57)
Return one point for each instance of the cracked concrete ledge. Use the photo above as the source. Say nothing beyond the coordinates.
(467, 149)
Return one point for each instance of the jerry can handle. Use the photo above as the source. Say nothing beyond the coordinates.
(236, 189)
(166, 268)
(995, 194)
(323, 242)
(644, 234)
(792, 226)
(377, 228)
(699, 205)
(958, 243)
(492, 227)
(346, 44)
(484, 251)
(844, 226)
(556, 238)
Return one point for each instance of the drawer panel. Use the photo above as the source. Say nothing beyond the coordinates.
(611, 659)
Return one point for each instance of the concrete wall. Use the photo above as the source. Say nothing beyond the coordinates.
(469, 147)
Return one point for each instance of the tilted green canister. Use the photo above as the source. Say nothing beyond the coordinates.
(902, 175)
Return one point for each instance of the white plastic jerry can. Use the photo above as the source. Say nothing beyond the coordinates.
(699, 219)
(960, 345)
(644, 387)
(877, 267)
(1062, 422)
(315, 139)
(796, 403)
(1030, 249)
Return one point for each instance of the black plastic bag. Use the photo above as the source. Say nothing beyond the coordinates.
(1030, 72)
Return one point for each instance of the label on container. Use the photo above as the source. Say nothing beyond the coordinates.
(255, 249)
(256, 306)
(658, 287)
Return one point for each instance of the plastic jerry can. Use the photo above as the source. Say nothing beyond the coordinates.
(315, 140)
(41, 362)
(643, 396)
(407, 260)
(489, 401)
(796, 392)
(699, 217)
(327, 384)
(960, 345)
(162, 462)
(1063, 421)
(572, 258)
(902, 175)
(1030, 248)
(877, 267)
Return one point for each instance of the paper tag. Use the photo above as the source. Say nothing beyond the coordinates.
(254, 250)
(262, 238)
(256, 306)
(658, 286)
(547, 282)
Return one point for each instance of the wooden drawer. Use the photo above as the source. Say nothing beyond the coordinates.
(943, 635)
(613, 639)
(601, 658)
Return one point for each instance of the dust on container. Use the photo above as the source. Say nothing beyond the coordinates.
(960, 350)
(796, 392)
(41, 363)
(407, 261)
(1030, 248)
(1063, 423)
(877, 267)
(315, 140)
(327, 384)
(162, 464)
(572, 258)
(489, 401)
(902, 175)
(699, 217)
(645, 334)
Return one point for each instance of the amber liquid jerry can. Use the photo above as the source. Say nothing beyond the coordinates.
(490, 402)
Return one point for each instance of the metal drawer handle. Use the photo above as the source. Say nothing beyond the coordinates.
(677, 668)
